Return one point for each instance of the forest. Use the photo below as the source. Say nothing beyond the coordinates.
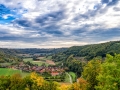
(90, 51)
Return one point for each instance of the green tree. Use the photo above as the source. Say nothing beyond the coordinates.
(4, 82)
(90, 71)
(109, 77)
(28, 83)
(16, 82)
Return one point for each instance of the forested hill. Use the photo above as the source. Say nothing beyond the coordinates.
(31, 51)
(37, 50)
(8, 55)
(90, 51)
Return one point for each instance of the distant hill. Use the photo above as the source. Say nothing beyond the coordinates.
(8, 55)
(94, 50)
(37, 50)
(59, 54)
(90, 51)
(31, 51)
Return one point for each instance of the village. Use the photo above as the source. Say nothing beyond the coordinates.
(43, 66)
(52, 70)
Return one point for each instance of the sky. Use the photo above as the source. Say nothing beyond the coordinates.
(58, 23)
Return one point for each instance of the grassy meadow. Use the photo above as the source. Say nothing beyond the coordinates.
(39, 63)
(73, 75)
(7, 72)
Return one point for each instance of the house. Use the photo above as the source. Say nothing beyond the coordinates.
(42, 71)
(54, 73)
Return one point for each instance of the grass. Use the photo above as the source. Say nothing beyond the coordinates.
(47, 58)
(7, 72)
(6, 64)
(73, 75)
(67, 79)
(28, 59)
(24, 74)
(39, 63)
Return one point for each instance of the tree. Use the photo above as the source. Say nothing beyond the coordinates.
(4, 82)
(109, 77)
(28, 83)
(64, 87)
(81, 84)
(90, 71)
(38, 81)
(16, 82)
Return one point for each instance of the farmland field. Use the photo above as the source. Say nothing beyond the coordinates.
(67, 78)
(50, 62)
(39, 63)
(73, 75)
(43, 60)
(7, 71)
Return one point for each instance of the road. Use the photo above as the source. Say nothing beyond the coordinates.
(69, 77)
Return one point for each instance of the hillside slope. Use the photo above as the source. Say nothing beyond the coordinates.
(90, 51)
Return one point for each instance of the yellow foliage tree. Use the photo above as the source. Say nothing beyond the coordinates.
(37, 79)
(81, 84)
(64, 87)
(90, 72)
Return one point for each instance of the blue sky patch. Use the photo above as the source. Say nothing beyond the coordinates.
(7, 15)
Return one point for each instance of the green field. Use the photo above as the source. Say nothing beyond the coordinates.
(5, 64)
(7, 71)
(46, 58)
(39, 63)
(67, 79)
(73, 75)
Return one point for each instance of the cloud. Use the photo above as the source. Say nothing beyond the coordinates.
(23, 22)
(116, 8)
(105, 1)
(50, 18)
(58, 23)
(110, 2)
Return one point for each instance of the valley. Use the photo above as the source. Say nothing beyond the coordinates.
(69, 68)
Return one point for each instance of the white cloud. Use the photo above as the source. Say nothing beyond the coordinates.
(49, 44)
(90, 15)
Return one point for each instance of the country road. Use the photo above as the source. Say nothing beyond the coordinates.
(69, 77)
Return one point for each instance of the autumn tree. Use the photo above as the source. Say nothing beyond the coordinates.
(81, 84)
(16, 82)
(90, 71)
(4, 82)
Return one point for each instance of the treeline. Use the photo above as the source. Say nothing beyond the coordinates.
(88, 52)
(91, 51)
(37, 50)
(10, 55)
